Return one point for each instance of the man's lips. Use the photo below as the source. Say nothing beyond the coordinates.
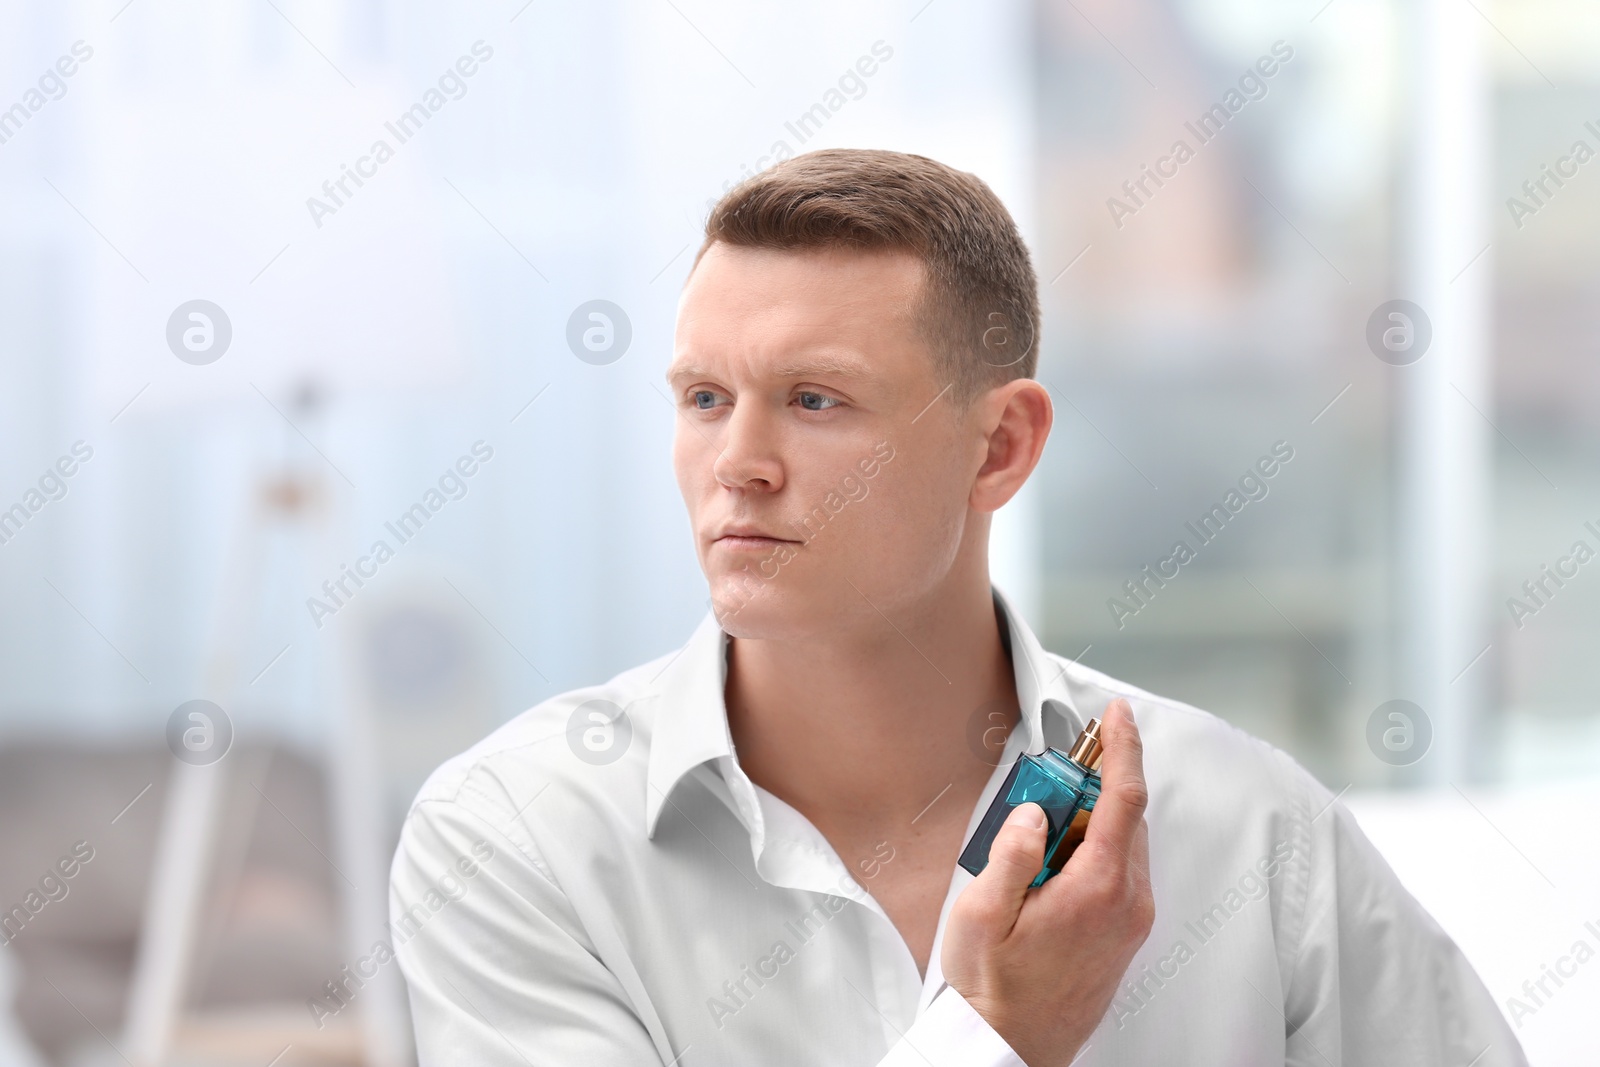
(749, 540)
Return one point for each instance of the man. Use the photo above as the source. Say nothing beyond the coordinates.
(745, 851)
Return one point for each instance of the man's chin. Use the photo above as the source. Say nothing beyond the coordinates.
(762, 613)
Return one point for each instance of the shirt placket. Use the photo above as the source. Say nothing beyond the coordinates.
(791, 853)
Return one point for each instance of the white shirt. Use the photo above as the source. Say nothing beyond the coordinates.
(663, 909)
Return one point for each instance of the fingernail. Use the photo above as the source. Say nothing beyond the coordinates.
(1029, 816)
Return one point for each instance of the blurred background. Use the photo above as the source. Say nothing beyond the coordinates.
(283, 281)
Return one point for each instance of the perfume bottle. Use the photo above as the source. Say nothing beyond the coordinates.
(1065, 785)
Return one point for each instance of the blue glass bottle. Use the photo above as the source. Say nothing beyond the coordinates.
(1065, 784)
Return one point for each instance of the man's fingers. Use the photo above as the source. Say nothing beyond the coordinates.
(1015, 857)
(1119, 812)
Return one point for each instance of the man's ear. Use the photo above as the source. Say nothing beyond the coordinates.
(1014, 420)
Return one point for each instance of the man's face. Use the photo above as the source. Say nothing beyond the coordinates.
(823, 462)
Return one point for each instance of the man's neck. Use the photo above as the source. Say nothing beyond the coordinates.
(871, 725)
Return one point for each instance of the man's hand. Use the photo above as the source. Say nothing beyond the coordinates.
(1042, 966)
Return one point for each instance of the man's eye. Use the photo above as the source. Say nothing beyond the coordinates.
(704, 399)
(817, 402)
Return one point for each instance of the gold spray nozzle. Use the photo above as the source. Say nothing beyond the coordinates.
(1086, 750)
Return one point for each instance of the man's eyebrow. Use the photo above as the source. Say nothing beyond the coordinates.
(805, 367)
(821, 366)
(687, 370)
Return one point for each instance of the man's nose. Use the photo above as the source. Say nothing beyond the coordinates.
(749, 458)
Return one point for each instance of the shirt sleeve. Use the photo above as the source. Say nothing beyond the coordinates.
(499, 970)
(1375, 980)
(951, 1033)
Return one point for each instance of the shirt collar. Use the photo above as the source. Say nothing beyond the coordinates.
(691, 722)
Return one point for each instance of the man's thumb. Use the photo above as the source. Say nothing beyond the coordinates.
(1016, 856)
